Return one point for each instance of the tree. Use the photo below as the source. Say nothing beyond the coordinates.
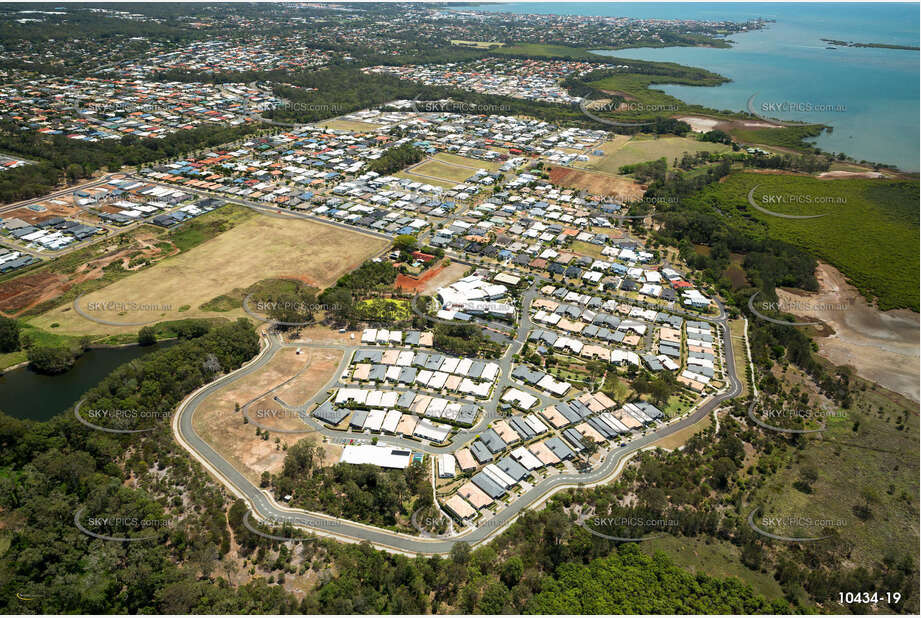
(512, 571)
(9, 334)
(405, 243)
(460, 553)
(723, 469)
(147, 336)
(590, 447)
(51, 359)
(292, 309)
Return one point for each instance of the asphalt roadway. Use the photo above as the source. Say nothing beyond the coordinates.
(266, 509)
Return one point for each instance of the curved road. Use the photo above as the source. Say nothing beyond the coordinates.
(265, 508)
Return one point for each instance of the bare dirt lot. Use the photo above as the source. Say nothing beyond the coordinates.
(322, 367)
(845, 174)
(57, 207)
(259, 248)
(598, 184)
(219, 423)
(22, 293)
(881, 345)
(289, 375)
(699, 124)
(432, 279)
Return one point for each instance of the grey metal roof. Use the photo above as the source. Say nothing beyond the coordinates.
(601, 428)
(358, 418)
(406, 399)
(574, 438)
(493, 442)
(377, 373)
(521, 427)
(559, 448)
(329, 414)
(480, 452)
(488, 485)
(512, 468)
(367, 356)
(650, 410)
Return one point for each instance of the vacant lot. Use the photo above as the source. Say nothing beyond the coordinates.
(432, 279)
(471, 164)
(322, 367)
(92, 267)
(443, 171)
(640, 150)
(221, 425)
(448, 168)
(599, 184)
(435, 181)
(341, 124)
(477, 44)
(260, 248)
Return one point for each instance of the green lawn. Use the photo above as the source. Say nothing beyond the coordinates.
(443, 170)
(476, 164)
(37, 337)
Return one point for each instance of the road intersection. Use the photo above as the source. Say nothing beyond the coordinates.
(266, 509)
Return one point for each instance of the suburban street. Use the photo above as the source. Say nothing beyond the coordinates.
(266, 509)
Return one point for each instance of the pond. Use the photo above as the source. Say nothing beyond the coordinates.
(26, 394)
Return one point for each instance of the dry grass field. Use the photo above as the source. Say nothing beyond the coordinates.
(443, 170)
(219, 423)
(260, 248)
(342, 124)
(289, 375)
(639, 150)
(472, 164)
(621, 187)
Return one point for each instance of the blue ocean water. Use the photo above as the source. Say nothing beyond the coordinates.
(870, 96)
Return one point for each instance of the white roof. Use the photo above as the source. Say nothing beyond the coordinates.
(526, 458)
(383, 456)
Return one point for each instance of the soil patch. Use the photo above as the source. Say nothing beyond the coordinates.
(598, 184)
(882, 346)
